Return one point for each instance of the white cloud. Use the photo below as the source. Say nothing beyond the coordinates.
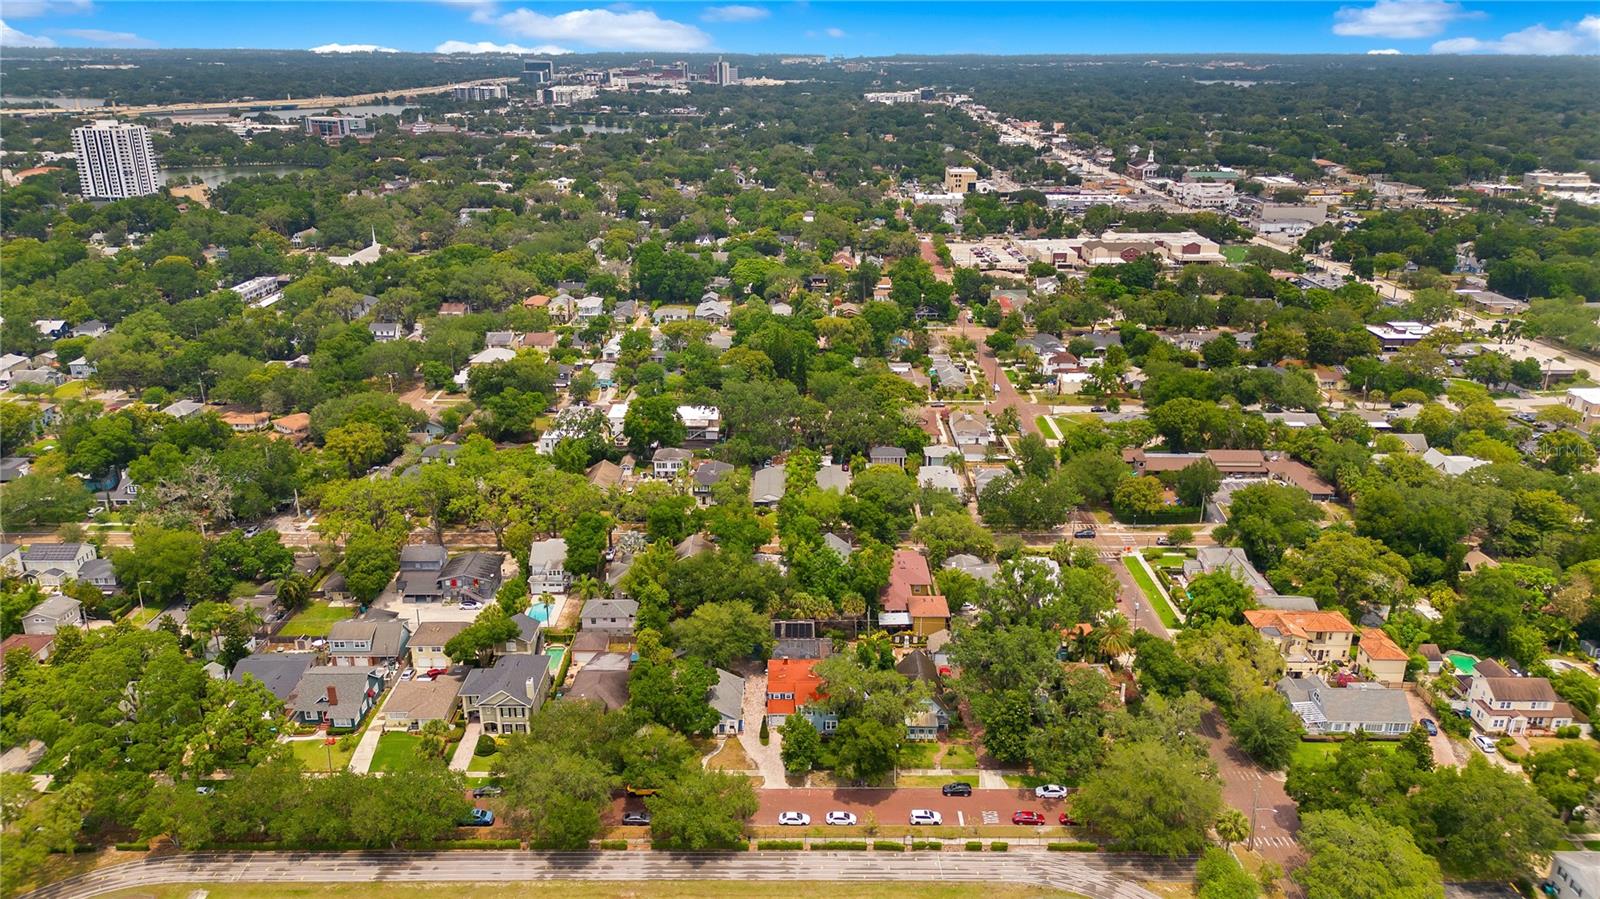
(735, 13)
(109, 38)
(1535, 40)
(491, 47)
(1388, 51)
(606, 29)
(1398, 18)
(353, 48)
(834, 32)
(11, 37)
(27, 9)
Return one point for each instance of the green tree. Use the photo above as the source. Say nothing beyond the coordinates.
(587, 540)
(1232, 827)
(1362, 856)
(702, 810)
(554, 796)
(1219, 876)
(1151, 798)
(1196, 483)
(865, 749)
(1138, 497)
(653, 421)
(1451, 824)
(674, 693)
(162, 559)
(1565, 775)
(802, 745)
(1218, 596)
(722, 633)
(948, 533)
(370, 562)
(1267, 729)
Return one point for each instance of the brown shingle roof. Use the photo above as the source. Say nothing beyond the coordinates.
(1521, 689)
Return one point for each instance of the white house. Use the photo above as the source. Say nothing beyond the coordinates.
(547, 572)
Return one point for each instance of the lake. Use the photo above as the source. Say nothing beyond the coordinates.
(214, 175)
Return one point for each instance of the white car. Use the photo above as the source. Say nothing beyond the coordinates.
(1050, 791)
(408, 674)
(471, 604)
(797, 819)
(843, 819)
(1484, 743)
(926, 816)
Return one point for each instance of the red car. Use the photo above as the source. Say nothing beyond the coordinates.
(1027, 818)
(1066, 820)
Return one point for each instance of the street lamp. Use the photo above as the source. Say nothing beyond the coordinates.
(140, 588)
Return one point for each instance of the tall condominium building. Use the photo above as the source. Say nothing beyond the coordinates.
(115, 161)
(485, 90)
(538, 71)
(726, 74)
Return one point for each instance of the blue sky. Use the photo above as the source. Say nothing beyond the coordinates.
(816, 27)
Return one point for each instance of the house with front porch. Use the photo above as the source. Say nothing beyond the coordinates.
(335, 697)
(503, 697)
(1502, 703)
(1308, 641)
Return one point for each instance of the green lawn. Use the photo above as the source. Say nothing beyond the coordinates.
(1046, 427)
(917, 755)
(1307, 753)
(1152, 595)
(140, 619)
(395, 748)
(933, 780)
(1235, 254)
(315, 755)
(483, 763)
(315, 620)
(959, 757)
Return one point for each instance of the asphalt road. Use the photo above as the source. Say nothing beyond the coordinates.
(1101, 877)
(1258, 793)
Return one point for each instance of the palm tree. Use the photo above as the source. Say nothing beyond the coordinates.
(1232, 827)
(586, 587)
(1116, 637)
(432, 739)
(294, 592)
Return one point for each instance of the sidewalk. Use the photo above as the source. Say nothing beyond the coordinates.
(361, 759)
(462, 757)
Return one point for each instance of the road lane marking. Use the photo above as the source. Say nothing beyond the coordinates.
(961, 818)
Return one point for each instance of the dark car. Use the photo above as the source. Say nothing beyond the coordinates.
(636, 819)
(956, 789)
(491, 790)
(1084, 533)
(1430, 727)
(1027, 818)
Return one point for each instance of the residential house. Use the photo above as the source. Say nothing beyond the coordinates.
(43, 377)
(974, 566)
(529, 638)
(14, 467)
(664, 314)
(91, 328)
(712, 309)
(887, 455)
(727, 697)
(792, 686)
(669, 461)
(367, 642)
(1450, 464)
(840, 546)
(1231, 559)
(941, 478)
(1377, 653)
(386, 332)
(1573, 875)
(183, 409)
(971, 429)
(335, 697)
(1308, 641)
(428, 641)
(610, 614)
(125, 494)
(927, 722)
(10, 559)
(417, 701)
(279, 672)
(701, 423)
(503, 697)
(912, 599)
(1298, 474)
(1432, 656)
(766, 486)
(100, 573)
(246, 422)
(420, 564)
(36, 646)
(710, 473)
(547, 567)
(1501, 703)
(471, 576)
(52, 614)
(1327, 710)
(452, 310)
(607, 686)
(81, 368)
(51, 565)
(834, 477)
(295, 428)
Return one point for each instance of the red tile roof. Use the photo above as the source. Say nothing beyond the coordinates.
(908, 576)
(796, 677)
(1377, 644)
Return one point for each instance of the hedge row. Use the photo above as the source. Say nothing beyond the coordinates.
(1072, 847)
(920, 845)
(782, 845)
(839, 846)
(613, 844)
(888, 846)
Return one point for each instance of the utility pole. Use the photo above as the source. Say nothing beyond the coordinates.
(1255, 793)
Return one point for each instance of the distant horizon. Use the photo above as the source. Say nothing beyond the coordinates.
(852, 30)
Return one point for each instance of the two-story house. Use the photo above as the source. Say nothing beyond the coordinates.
(1378, 654)
(547, 571)
(52, 564)
(1308, 641)
(1501, 703)
(428, 641)
(793, 685)
(529, 638)
(668, 461)
(701, 423)
(335, 697)
(727, 697)
(52, 614)
(610, 615)
(470, 576)
(503, 697)
(912, 599)
(368, 643)
(420, 564)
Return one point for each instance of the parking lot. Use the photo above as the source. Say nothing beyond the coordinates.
(893, 807)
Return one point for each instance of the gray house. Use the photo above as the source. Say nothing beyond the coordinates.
(53, 613)
(727, 697)
(335, 697)
(279, 672)
(766, 486)
(503, 697)
(888, 455)
(1329, 710)
(610, 614)
(368, 643)
(474, 576)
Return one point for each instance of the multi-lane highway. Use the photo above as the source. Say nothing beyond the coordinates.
(1095, 875)
(227, 105)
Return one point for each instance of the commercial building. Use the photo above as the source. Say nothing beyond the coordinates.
(485, 90)
(960, 179)
(1204, 194)
(567, 94)
(334, 127)
(892, 97)
(115, 161)
(538, 71)
(1586, 402)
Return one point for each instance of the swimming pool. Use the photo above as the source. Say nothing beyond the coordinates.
(1465, 664)
(539, 612)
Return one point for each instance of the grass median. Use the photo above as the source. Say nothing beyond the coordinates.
(1152, 595)
(577, 889)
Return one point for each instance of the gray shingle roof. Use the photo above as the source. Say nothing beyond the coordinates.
(510, 674)
(727, 695)
(277, 671)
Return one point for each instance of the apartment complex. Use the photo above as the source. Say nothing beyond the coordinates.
(115, 161)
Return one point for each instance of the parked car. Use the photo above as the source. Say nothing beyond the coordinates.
(1027, 818)
(485, 792)
(471, 604)
(1067, 820)
(435, 672)
(926, 816)
(480, 817)
(636, 819)
(1484, 743)
(1050, 791)
(842, 819)
(1084, 533)
(794, 819)
(956, 789)
(1163, 540)
(206, 791)
(1430, 727)
(408, 674)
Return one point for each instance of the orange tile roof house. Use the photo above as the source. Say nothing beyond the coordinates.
(1379, 654)
(1307, 640)
(912, 598)
(791, 685)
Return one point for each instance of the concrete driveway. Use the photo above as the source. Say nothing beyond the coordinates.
(1443, 751)
(767, 759)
